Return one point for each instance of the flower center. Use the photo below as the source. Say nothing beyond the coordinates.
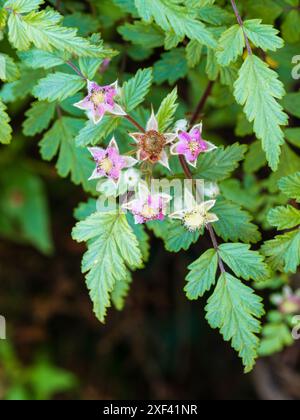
(194, 220)
(148, 212)
(106, 165)
(98, 98)
(194, 146)
(152, 144)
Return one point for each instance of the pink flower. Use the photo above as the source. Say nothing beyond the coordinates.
(152, 144)
(109, 162)
(100, 100)
(191, 145)
(148, 207)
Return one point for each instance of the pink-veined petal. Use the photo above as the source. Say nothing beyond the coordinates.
(170, 137)
(83, 105)
(164, 159)
(95, 175)
(210, 146)
(113, 144)
(117, 110)
(129, 161)
(173, 149)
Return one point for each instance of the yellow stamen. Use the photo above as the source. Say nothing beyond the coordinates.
(97, 98)
(106, 165)
(148, 212)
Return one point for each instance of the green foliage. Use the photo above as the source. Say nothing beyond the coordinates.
(39, 117)
(112, 248)
(167, 110)
(5, 128)
(58, 86)
(257, 88)
(236, 316)
(136, 89)
(202, 275)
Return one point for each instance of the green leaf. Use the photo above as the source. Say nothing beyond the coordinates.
(9, 71)
(71, 159)
(23, 6)
(202, 275)
(143, 34)
(276, 336)
(136, 89)
(167, 110)
(220, 163)
(42, 29)
(263, 36)
(5, 128)
(112, 246)
(171, 67)
(243, 262)
(290, 186)
(234, 223)
(193, 53)
(178, 237)
(257, 88)
(293, 136)
(234, 309)
(291, 103)
(170, 15)
(120, 292)
(231, 45)
(58, 86)
(284, 217)
(92, 134)
(283, 252)
(37, 59)
(38, 118)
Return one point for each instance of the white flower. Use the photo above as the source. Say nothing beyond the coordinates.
(195, 216)
(211, 190)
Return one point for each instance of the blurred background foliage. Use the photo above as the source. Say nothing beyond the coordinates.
(160, 346)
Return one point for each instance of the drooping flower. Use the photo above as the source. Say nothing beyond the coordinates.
(191, 144)
(195, 215)
(147, 206)
(109, 162)
(100, 100)
(288, 302)
(151, 145)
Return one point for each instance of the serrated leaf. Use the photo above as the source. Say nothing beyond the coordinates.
(283, 252)
(177, 237)
(276, 336)
(290, 186)
(284, 217)
(5, 128)
(263, 36)
(243, 262)
(136, 89)
(23, 6)
(202, 275)
(112, 246)
(171, 67)
(220, 163)
(234, 223)
(257, 88)
(9, 71)
(167, 110)
(143, 34)
(71, 159)
(92, 134)
(234, 309)
(58, 86)
(171, 15)
(43, 30)
(120, 291)
(38, 118)
(37, 59)
(193, 53)
(231, 45)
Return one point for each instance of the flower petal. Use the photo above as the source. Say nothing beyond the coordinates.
(129, 161)
(164, 159)
(207, 205)
(173, 149)
(209, 146)
(178, 215)
(84, 104)
(95, 175)
(170, 137)
(136, 136)
(113, 144)
(117, 110)
(211, 218)
(96, 152)
(152, 124)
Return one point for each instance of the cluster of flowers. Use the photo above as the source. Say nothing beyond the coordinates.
(151, 146)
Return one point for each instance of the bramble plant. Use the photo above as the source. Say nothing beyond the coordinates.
(115, 132)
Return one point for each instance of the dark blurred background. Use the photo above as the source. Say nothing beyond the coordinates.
(159, 347)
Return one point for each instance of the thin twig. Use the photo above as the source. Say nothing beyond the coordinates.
(201, 104)
(241, 23)
(76, 69)
(135, 123)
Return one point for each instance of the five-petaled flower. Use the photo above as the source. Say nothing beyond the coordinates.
(109, 162)
(196, 215)
(151, 145)
(100, 100)
(191, 144)
(147, 206)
